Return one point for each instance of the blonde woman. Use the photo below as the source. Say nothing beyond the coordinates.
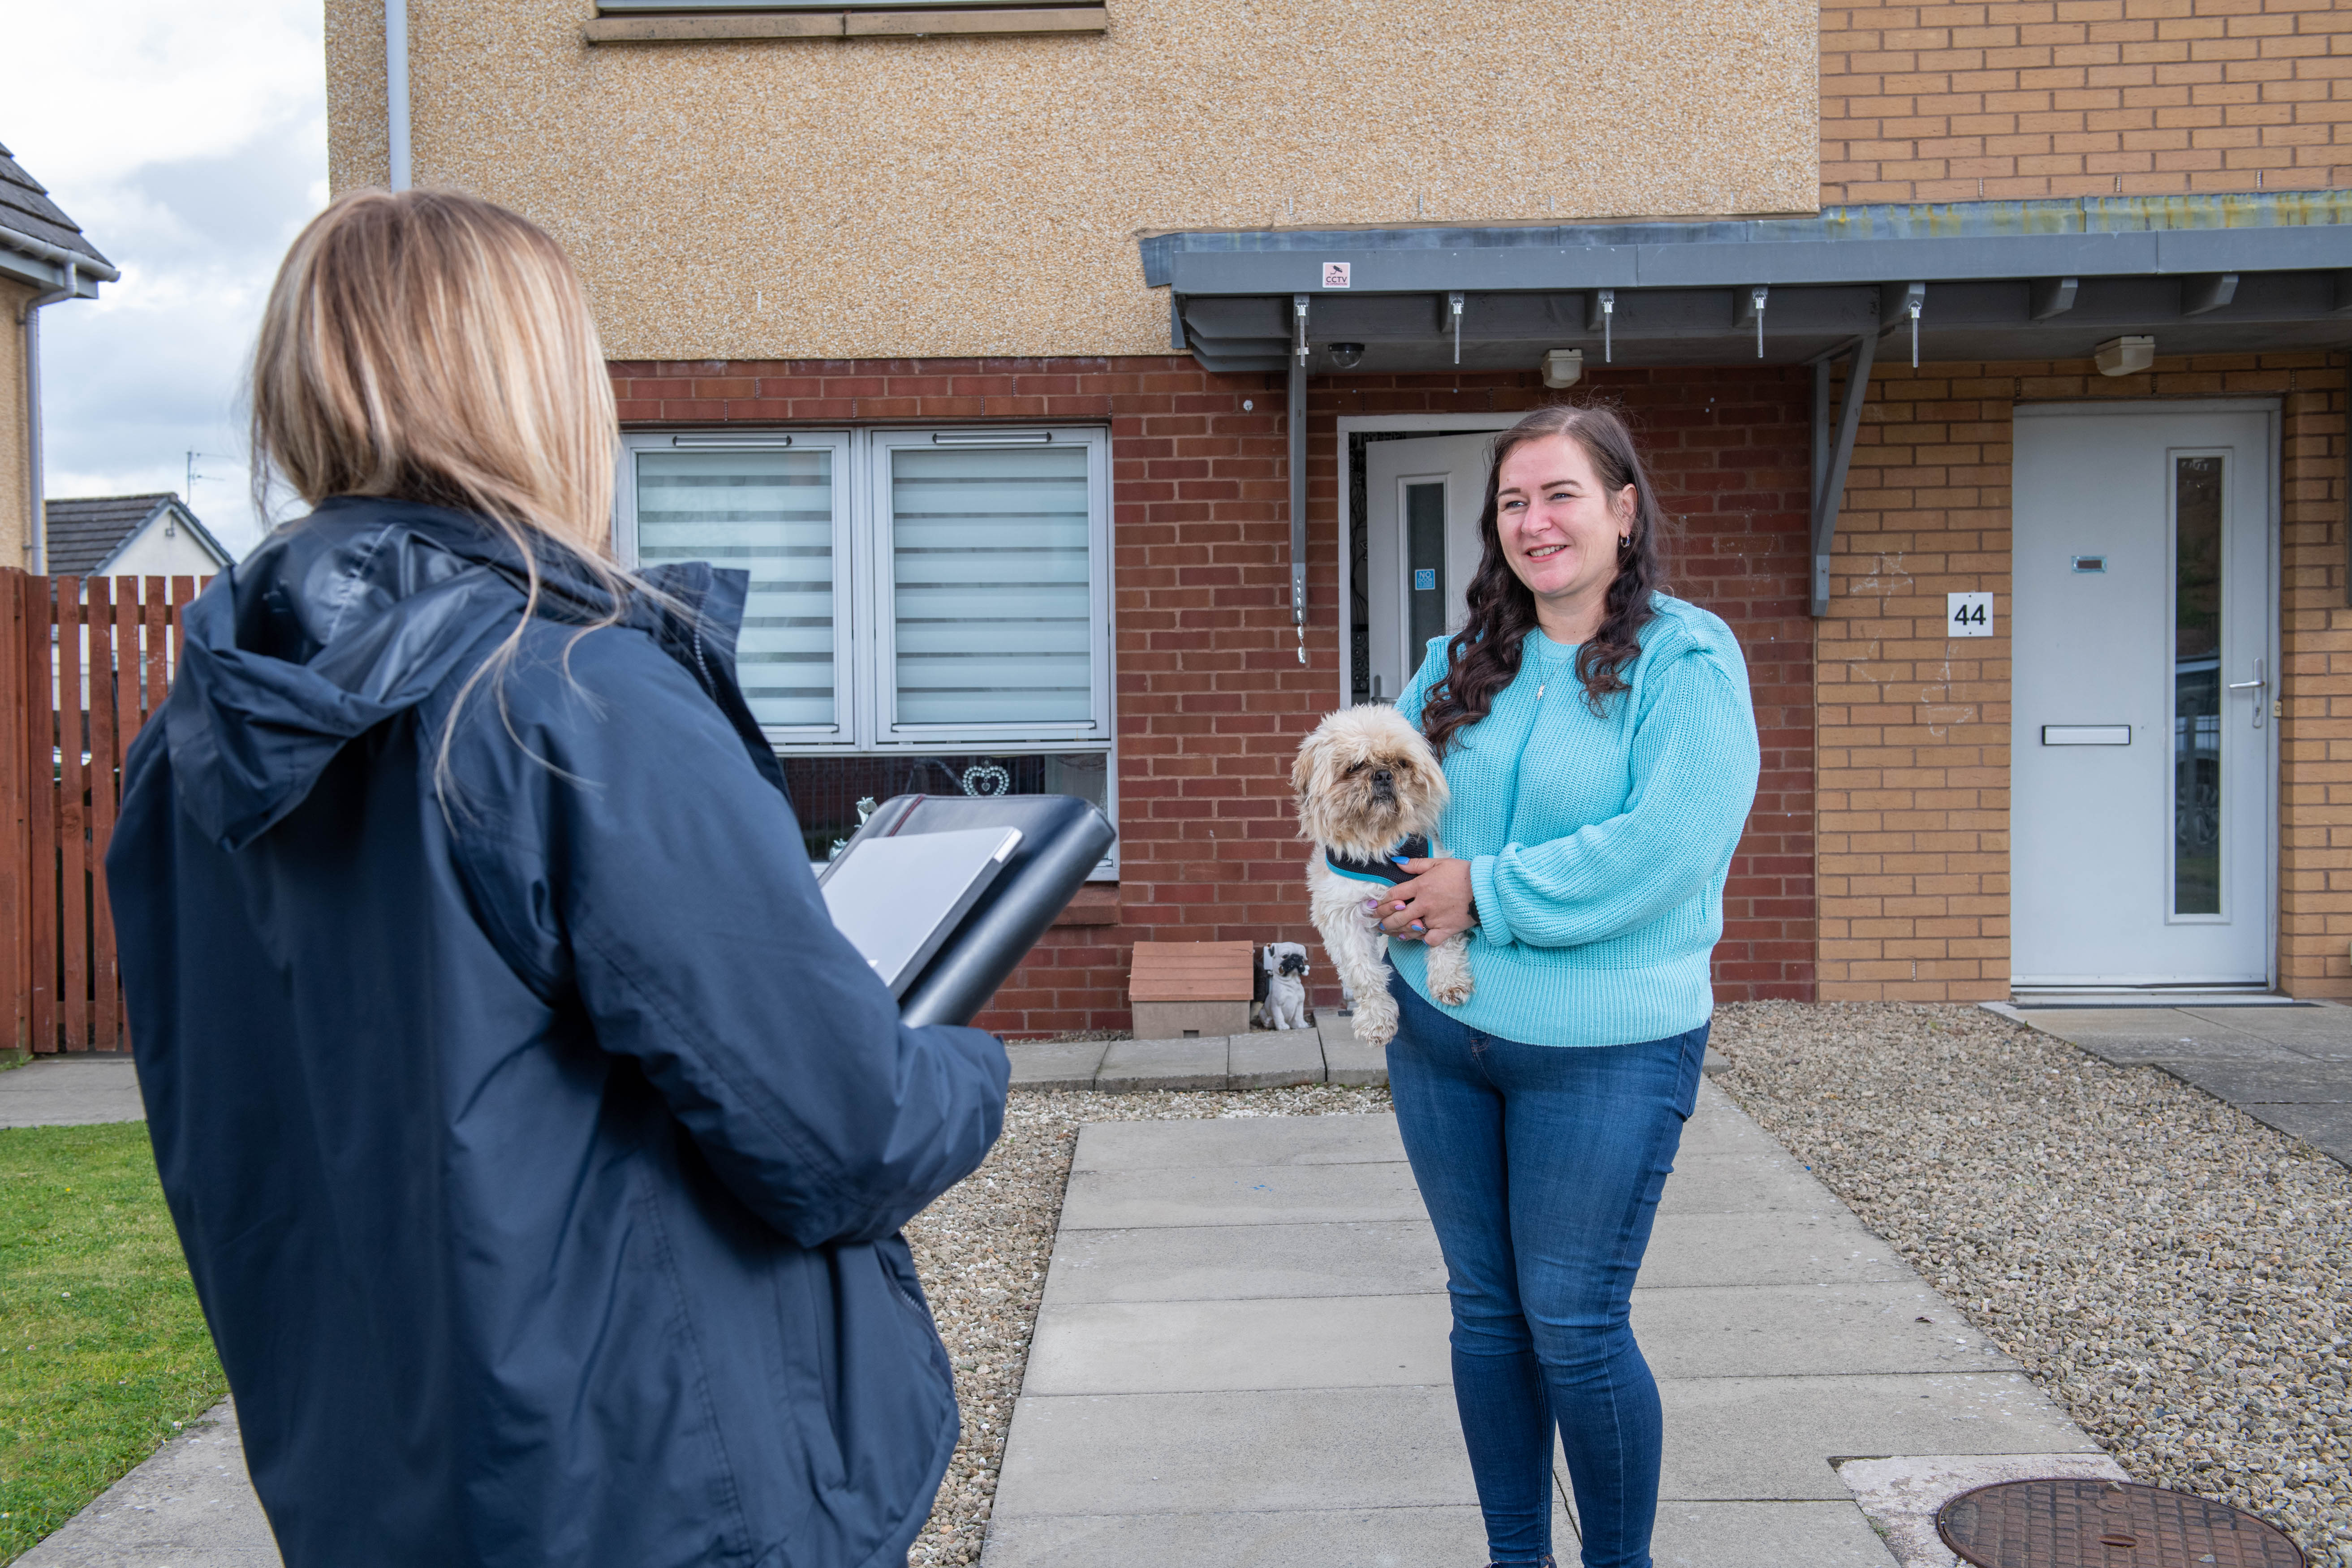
(538, 1147)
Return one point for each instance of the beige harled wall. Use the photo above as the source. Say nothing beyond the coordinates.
(16, 426)
(982, 196)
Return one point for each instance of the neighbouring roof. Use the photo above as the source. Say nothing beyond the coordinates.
(25, 206)
(86, 533)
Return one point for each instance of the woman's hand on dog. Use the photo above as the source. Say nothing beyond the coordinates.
(1437, 899)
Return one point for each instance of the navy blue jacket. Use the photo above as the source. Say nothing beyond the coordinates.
(538, 1146)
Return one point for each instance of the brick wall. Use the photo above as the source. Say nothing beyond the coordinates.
(2315, 668)
(1212, 700)
(1727, 450)
(2067, 98)
(1914, 727)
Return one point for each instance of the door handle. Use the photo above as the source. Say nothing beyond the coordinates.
(2257, 684)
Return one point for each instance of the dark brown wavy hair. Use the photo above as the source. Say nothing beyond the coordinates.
(1483, 656)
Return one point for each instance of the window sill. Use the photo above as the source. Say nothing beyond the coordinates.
(845, 25)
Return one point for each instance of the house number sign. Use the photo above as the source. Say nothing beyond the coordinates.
(1967, 614)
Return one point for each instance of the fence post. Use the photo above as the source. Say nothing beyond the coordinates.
(73, 818)
(105, 761)
(151, 666)
(40, 819)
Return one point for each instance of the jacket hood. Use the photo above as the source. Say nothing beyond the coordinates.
(359, 612)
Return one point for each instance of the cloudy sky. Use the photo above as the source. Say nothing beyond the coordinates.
(190, 142)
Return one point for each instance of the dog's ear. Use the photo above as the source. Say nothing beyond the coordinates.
(1310, 759)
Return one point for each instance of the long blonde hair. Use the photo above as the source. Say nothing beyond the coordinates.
(430, 346)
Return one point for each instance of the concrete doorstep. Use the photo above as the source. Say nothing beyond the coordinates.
(1241, 1361)
(1329, 1052)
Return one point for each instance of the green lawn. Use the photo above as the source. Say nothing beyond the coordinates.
(103, 1351)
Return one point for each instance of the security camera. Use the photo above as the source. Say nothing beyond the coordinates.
(1347, 356)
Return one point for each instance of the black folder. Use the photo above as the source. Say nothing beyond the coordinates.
(1063, 839)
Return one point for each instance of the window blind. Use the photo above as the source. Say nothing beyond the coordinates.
(771, 513)
(992, 583)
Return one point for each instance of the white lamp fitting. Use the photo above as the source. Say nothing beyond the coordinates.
(2124, 356)
(1563, 367)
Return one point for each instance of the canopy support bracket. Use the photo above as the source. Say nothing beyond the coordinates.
(1833, 456)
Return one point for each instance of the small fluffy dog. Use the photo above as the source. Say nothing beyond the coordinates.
(1365, 780)
(1281, 985)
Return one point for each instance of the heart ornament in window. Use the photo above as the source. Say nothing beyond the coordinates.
(986, 779)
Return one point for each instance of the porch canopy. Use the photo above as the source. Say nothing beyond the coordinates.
(1978, 281)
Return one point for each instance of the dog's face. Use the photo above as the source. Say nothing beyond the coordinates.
(1294, 964)
(1364, 779)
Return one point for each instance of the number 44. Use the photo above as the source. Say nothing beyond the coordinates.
(1969, 615)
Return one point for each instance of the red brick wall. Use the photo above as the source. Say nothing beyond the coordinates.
(1210, 697)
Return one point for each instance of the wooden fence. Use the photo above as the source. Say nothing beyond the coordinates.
(84, 663)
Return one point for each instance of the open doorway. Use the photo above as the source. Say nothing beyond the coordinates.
(1408, 542)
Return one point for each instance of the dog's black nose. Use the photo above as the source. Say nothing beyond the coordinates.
(1383, 778)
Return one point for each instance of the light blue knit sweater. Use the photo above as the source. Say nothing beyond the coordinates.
(1598, 845)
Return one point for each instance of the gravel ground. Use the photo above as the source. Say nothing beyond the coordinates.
(2176, 1274)
(982, 1251)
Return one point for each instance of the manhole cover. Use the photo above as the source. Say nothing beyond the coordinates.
(2106, 1524)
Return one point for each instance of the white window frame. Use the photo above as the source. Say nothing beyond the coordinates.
(863, 591)
(847, 690)
(880, 651)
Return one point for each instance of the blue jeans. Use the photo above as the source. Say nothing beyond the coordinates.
(1541, 1166)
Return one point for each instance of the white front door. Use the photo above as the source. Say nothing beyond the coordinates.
(2142, 676)
(1421, 498)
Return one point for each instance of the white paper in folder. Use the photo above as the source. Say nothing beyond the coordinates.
(897, 900)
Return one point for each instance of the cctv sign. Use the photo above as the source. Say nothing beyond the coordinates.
(1335, 274)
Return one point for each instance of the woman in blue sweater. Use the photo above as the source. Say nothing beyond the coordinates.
(1600, 747)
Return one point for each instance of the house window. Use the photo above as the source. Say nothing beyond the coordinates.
(655, 21)
(928, 610)
(778, 514)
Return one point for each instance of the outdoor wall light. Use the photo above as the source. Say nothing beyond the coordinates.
(1347, 356)
(1563, 367)
(2124, 356)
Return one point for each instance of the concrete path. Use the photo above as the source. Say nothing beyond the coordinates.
(1241, 1361)
(191, 1506)
(2287, 1064)
(52, 1092)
